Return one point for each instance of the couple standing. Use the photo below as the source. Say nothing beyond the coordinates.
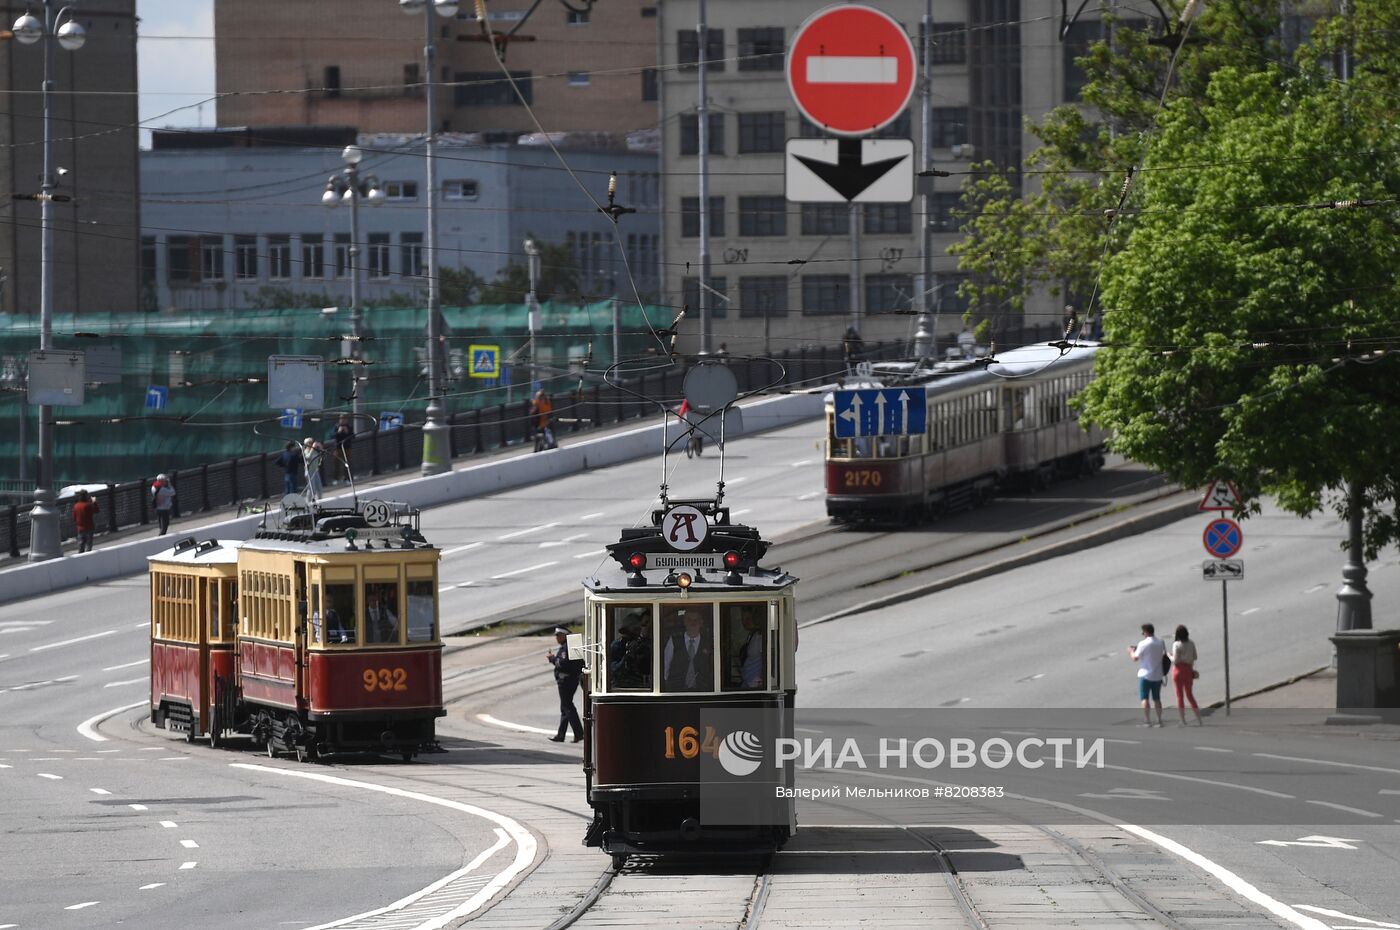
(1149, 654)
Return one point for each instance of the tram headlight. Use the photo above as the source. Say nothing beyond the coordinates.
(683, 580)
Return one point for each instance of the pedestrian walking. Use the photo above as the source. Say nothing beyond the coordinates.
(1148, 654)
(163, 500)
(291, 463)
(344, 439)
(853, 347)
(1184, 675)
(85, 511)
(314, 453)
(567, 673)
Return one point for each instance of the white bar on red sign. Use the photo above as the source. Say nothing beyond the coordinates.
(852, 69)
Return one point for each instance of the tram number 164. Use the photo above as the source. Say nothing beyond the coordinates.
(385, 679)
(688, 742)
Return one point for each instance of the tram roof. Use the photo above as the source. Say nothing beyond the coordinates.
(330, 545)
(206, 552)
(661, 582)
(942, 377)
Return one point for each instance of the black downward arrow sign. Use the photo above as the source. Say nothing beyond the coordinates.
(849, 177)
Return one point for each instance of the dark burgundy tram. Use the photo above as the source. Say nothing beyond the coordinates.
(317, 637)
(1002, 422)
(686, 623)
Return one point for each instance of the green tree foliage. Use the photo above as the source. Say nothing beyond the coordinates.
(559, 278)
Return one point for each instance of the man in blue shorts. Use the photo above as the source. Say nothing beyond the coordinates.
(1148, 655)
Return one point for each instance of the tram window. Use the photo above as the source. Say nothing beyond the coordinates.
(231, 608)
(340, 613)
(630, 647)
(743, 636)
(215, 609)
(688, 658)
(420, 597)
(381, 612)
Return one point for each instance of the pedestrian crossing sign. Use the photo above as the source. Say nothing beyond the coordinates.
(486, 361)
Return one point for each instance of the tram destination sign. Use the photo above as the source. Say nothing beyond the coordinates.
(703, 561)
(882, 412)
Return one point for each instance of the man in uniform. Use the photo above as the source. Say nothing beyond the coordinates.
(567, 673)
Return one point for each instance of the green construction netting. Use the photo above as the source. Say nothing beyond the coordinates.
(212, 413)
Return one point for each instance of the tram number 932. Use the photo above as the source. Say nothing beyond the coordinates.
(862, 478)
(688, 743)
(385, 679)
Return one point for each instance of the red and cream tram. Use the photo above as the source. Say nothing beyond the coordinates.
(685, 627)
(1007, 420)
(321, 636)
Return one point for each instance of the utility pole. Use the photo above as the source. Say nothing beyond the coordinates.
(702, 126)
(532, 306)
(924, 337)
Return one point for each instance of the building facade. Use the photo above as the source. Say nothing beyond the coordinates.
(93, 121)
(583, 66)
(241, 226)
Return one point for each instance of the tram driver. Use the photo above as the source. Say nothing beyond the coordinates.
(381, 623)
(687, 663)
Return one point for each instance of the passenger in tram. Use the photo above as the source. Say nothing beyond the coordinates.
(687, 663)
(751, 653)
(628, 633)
(381, 623)
(336, 630)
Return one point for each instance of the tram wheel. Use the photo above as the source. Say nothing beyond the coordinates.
(618, 861)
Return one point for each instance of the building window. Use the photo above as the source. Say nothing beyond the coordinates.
(716, 298)
(577, 17)
(688, 49)
(886, 293)
(401, 190)
(949, 126)
(690, 134)
(179, 265)
(579, 79)
(1075, 44)
(761, 49)
(762, 216)
(331, 81)
(886, 218)
(313, 255)
(826, 219)
(411, 254)
(762, 132)
(378, 255)
(245, 257)
(690, 217)
(489, 89)
(763, 295)
(949, 43)
(826, 293)
(945, 296)
(412, 77)
(651, 88)
(279, 257)
(341, 266)
(148, 260)
(944, 211)
(211, 258)
(461, 189)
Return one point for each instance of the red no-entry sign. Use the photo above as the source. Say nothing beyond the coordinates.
(851, 69)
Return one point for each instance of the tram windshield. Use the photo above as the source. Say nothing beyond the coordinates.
(743, 643)
(630, 652)
(381, 612)
(340, 613)
(420, 598)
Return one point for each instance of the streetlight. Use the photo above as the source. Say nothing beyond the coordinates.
(44, 540)
(435, 457)
(532, 259)
(346, 187)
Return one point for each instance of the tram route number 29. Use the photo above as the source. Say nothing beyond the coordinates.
(688, 743)
(863, 478)
(385, 679)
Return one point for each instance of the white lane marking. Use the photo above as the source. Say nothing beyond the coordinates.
(563, 542)
(1389, 791)
(4, 766)
(1316, 587)
(525, 846)
(1322, 842)
(852, 69)
(79, 907)
(80, 639)
(169, 824)
(1326, 912)
(447, 552)
(1125, 742)
(99, 791)
(590, 516)
(1342, 807)
(1202, 781)
(187, 865)
(6, 656)
(801, 463)
(189, 844)
(1212, 749)
(521, 571)
(739, 480)
(1246, 613)
(505, 724)
(594, 554)
(740, 513)
(1345, 765)
(807, 497)
(24, 623)
(138, 807)
(151, 885)
(1231, 880)
(86, 727)
(533, 529)
(31, 685)
(50, 777)
(144, 625)
(129, 681)
(173, 759)
(117, 668)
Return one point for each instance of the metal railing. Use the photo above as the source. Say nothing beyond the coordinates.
(231, 483)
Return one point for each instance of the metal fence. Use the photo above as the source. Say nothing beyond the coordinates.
(256, 478)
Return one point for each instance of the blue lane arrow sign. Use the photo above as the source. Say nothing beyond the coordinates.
(886, 412)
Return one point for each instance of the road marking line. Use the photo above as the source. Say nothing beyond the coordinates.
(801, 463)
(1212, 749)
(4, 766)
(1331, 913)
(590, 516)
(562, 542)
(150, 886)
(1345, 765)
(86, 727)
(807, 497)
(521, 571)
(533, 529)
(129, 681)
(168, 824)
(740, 513)
(189, 844)
(99, 791)
(50, 777)
(187, 865)
(1231, 880)
(117, 668)
(523, 728)
(594, 554)
(739, 480)
(138, 807)
(1125, 742)
(1316, 587)
(1389, 791)
(80, 639)
(79, 907)
(525, 847)
(1252, 610)
(1203, 781)
(24, 623)
(1342, 807)
(448, 552)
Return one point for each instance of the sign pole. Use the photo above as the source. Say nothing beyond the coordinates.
(1225, 621)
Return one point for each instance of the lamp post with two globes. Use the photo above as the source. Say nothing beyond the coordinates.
(346, 187)
(45, 541)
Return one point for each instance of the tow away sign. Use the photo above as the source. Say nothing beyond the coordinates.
(1222, 570)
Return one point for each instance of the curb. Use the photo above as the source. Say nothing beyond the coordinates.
(1267, 688)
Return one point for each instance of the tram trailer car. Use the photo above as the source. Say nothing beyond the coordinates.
(1004, 423)
(645, 697)
(318, 644)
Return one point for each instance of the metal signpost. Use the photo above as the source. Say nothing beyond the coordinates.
(1222, 539)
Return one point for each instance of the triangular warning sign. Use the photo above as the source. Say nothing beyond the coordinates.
(1221, 496)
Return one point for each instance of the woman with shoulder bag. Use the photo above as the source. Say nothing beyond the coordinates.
(1183, 656)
